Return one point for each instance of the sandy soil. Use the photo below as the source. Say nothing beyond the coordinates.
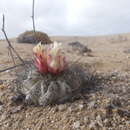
(110, 54)
(108, 51)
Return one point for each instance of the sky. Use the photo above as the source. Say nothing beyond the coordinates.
(66, 17)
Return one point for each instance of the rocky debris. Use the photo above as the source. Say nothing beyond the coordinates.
(77, 46)
(30, 37)
(106, 108)
(123, 112)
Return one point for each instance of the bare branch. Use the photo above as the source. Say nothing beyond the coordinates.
(11, 54)
(33, 15)
(10, 51)
(9, 43)
(33, 19)
(10, 68)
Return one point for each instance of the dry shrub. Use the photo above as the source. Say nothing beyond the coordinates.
(30, 37)
(77, 46)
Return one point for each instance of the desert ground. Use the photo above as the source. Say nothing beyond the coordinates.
(105, 109)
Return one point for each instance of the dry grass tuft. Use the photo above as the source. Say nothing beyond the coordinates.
(30, 37)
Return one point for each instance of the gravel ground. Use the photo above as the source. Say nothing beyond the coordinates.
(105, 106)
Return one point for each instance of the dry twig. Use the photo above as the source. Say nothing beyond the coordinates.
(10, 47)
(33, 17)
(10, 68)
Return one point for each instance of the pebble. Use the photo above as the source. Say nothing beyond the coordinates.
(1, 103)
(1, 107)
(98, 118)
(1, 82)
(107, 123)
(70, 109)
(81, 106)
(19, 98)
(3, 116)
(17, 109)
(91, 105)
(62, 107)
(76, 125)
(123, 112)
(92, 125)
(86, 120)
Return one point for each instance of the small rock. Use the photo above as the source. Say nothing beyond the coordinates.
(1, 107)
(2, 87)
(76, 125)
(91, 105)
(52, 121)
(123, 112)
(116, 102)
(17, 109)
(98, 118)
(19, 98)
(1, 82)
(86, 120)
(81, 106)
(70, 109)
(104, 128)
(107, 123)
(92, 125)
(1, 103)
(62, 107)
(3, 117)
(109, 109)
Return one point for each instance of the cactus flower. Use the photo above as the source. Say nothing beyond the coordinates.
(49, 58)
(40, 58)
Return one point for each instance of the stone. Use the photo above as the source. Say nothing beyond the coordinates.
(98, 118)
(1, 108)
(92, 125)
(62, 107)
(16, 110)
(80, 106)
(19, 98)
(76, 125)
(91, 104)
(1, 82)
(3, 116)
(107, 123)
(1, 103)
(123, 112)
